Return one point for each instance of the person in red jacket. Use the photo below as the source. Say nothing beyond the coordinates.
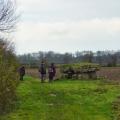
(51, 72)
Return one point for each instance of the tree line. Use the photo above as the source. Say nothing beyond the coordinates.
(104, 58)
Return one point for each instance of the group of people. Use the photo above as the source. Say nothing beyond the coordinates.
(51, 72)
(42, 70)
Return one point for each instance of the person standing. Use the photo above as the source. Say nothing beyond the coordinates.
(21, 72)
(51, 72)
(42, 70)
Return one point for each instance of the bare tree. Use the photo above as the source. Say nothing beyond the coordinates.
(88, 56)
(8, 17)
(8, 61)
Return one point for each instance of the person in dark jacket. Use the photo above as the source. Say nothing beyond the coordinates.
(42, 70)
(51, 72)
(21, 72)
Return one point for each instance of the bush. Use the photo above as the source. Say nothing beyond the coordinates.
(81, 67)
(80, 70)
(8, 76)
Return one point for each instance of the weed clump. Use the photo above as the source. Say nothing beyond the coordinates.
(116, 108)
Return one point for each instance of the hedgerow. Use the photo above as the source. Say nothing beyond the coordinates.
(8, 76)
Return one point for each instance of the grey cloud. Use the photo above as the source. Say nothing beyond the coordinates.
(73, 10)
(86, 25)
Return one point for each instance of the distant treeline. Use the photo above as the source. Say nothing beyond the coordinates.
(104, 58)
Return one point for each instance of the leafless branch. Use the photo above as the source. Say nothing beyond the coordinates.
(8, 17)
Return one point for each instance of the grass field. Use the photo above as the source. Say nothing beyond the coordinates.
(64, 100)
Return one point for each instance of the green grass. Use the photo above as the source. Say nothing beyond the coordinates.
(64, 100)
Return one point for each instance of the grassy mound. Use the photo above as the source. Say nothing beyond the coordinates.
(80, 67)
(64, 100)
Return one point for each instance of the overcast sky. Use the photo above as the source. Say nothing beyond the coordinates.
(68, 25)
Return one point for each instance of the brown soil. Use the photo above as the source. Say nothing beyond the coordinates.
(111, 73)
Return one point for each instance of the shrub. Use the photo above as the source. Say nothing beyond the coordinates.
(81, 70)
(8, 76)
(81, 67)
